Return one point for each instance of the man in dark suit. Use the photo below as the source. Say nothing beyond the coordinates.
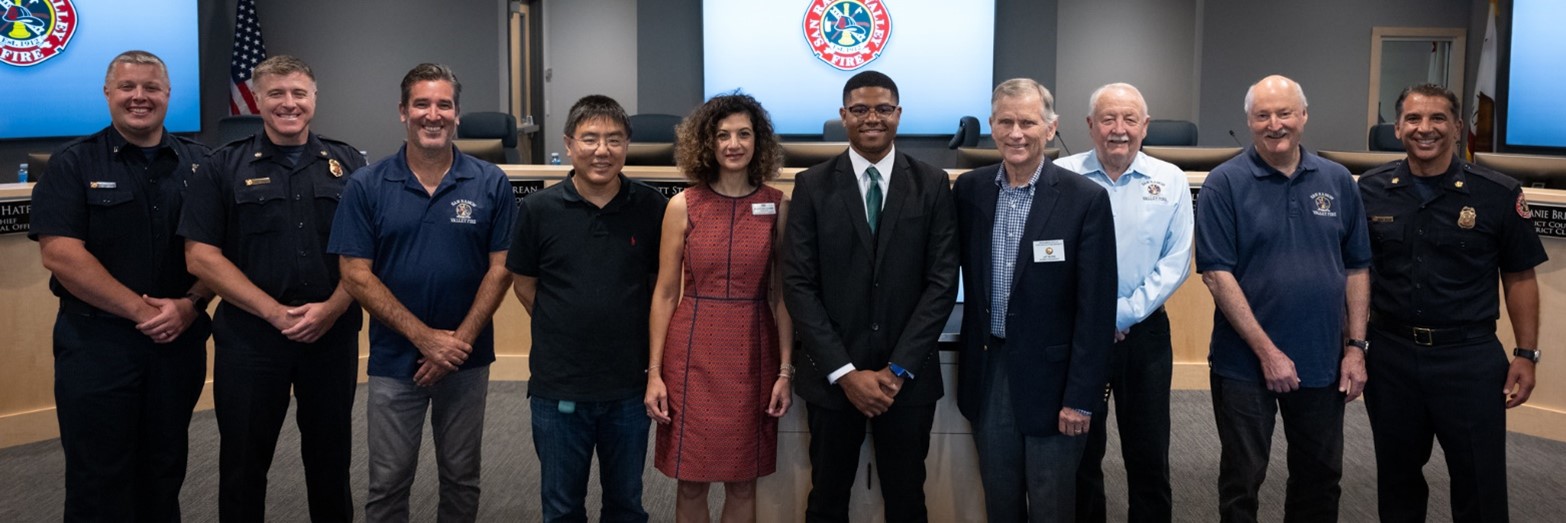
(870, 272)
(1038, 249)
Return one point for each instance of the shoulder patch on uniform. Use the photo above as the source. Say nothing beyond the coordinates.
(1522, 207)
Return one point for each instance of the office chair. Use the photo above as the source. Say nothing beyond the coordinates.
(833, 131)
(490, 125)
(1383, 137)
(967, 134)
(653, 128)
(1170, 132)
(231, 128)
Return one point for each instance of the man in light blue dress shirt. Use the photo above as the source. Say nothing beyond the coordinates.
(1153, 227)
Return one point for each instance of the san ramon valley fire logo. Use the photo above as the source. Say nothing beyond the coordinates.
(32, 31)
(847, 34)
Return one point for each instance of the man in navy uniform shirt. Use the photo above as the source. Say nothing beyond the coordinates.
(255, 229)
(1443, 231)
(131, 335)
(1280, 243)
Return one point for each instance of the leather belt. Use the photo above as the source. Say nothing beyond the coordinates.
(1427, 336)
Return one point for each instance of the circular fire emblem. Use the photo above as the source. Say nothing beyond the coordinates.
(846, 34)
(32, 31)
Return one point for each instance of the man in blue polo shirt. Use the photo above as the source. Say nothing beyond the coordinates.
(1282, 245)
(423, 237)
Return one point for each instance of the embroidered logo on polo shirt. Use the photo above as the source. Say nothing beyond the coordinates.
(1323, 204)
(464, 211)
(1154, 192)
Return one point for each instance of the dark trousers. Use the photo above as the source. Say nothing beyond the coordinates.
(902, 440)
(124, 407)
(567, 434)
(254, 369)
(1313, 426)
(1452, 392)
(1025, 478)
(1140, 369)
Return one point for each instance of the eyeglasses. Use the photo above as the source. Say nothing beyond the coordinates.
(862, 110)
(592, 142)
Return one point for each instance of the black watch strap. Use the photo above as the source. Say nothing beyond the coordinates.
(1362, 345)
(1532, 354)
(198, 300)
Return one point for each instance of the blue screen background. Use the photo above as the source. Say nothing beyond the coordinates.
(941, 54)
(63, 96)
(1534, 112)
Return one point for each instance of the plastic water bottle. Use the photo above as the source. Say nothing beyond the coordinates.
(21, 174)
(554, 158)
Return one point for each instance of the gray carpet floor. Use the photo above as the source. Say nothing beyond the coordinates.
(32, 476)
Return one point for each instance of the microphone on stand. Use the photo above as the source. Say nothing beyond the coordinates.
(1235, 138)
(1063, 147)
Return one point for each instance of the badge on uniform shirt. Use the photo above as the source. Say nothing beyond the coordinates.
(1466, 218)
(1049, 251)
(194, 166)
(1522, 208)
(336, 168)
(102, 185)
(1153, 191)
(462, 211)
(761, 209)
(252, 182)
(1323, 203)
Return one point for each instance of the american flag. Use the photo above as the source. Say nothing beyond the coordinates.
(249, 51)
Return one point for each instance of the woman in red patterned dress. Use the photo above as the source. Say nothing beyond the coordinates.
(718, 377)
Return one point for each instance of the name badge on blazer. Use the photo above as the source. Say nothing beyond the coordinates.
(1045, 251)
(762, 209)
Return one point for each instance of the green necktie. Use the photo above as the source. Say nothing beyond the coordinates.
(873, 198)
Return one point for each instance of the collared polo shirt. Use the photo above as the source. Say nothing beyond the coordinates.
(124, 207)
(1153, 230)
(1289, 241)
(595, 269)
(431, 251)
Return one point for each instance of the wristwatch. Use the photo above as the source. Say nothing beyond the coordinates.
(1531, 354)
(1362, 345)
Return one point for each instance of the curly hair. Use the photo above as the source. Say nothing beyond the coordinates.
(696, 137)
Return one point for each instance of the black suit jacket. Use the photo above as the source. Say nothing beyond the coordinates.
(1060, 321)
(869, 299)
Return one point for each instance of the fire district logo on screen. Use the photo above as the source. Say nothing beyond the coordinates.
(846, 34)
(32, 31)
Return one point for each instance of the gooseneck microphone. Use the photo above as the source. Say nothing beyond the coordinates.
(1236, 139)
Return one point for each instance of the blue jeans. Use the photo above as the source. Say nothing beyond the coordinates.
(1026, 478)
(1313, 426)
(395, 416)
(565, 435)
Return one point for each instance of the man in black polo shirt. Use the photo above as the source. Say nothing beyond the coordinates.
(256, 228)
(130, 338)
(584, 254)
(1442, 232)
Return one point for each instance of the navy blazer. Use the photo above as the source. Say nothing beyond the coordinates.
(870, 299)
(1060, 322)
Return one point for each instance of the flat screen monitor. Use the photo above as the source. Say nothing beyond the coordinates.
(1532, 71)
(1192, 158)
(795, 55)
(1359, 162)
(1547, 172)
(54, 53)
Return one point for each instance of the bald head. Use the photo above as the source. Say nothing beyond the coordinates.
(1275, 84)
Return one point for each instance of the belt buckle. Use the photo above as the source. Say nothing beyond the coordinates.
(1422, 336)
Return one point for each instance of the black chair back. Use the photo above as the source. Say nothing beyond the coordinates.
(654, 128)
(967, 134)
(1383, 137)
(1170, 132)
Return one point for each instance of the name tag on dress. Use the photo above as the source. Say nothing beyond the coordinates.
(1049, 251)
(760, 209)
